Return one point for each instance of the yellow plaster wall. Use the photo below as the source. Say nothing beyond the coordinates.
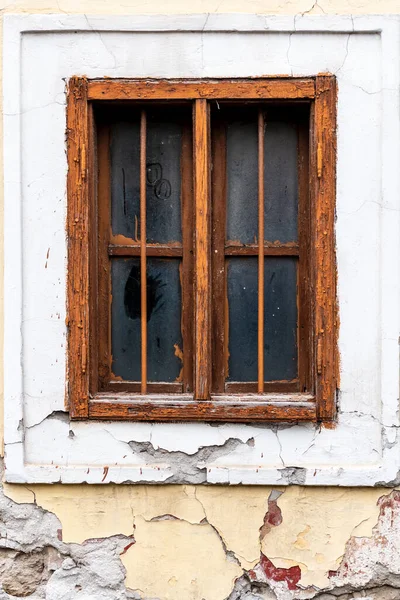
(182, 532)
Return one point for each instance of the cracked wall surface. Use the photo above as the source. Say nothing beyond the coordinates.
(193, 542)
(199, 542)
(41, 444)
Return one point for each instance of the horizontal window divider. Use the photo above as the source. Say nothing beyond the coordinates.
(278, 88)
(151, 250)
(264, 398)
(269, 250)
(158, 407)
(271, 387)
(134, 387)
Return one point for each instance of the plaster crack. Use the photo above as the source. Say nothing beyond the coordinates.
(28, 110)
(357, 526)
(231, 556)
(218, 6)
(118, 440)
(275, 430)
(317, 431)
(97, 32)
(315, 5)
(60, 9)
(345, 55)
(382, 207)
(33, 493)
(58, 415)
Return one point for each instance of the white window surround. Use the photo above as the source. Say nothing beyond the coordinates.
(41, 444)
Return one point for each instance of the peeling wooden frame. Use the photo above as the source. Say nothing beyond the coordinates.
(88, 259)
(298, 117)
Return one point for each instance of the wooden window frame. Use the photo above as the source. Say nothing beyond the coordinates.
(83, 399)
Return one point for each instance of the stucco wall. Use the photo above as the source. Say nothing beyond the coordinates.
(194, 542)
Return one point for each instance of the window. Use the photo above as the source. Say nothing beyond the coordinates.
(202, 279)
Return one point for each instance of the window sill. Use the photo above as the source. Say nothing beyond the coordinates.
(233, 408)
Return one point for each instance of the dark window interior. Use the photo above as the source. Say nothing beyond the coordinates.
(234, 250)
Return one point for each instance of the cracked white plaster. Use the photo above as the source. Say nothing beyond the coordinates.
(362, 448)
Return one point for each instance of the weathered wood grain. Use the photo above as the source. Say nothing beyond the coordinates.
(260, 338)
(324, 191)
(220, 408)
(281, 88)
(202, 349)
(78, 245)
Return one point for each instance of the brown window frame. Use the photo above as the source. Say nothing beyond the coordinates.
(88, 248)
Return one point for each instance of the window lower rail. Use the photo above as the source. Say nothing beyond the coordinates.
(240, 408)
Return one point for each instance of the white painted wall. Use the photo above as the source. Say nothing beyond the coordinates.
(363, 52)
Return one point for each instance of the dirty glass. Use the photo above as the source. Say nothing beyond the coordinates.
(242, 178)
(280, 181)
(124, 173)
(163, 177)
(164, 340)
(125, 318)
(242, 274)
(280, 318)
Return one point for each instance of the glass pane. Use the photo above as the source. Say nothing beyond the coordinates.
(125, 186)
(280, 182)
(125, 318)
(164, 340)
(242, 276)
(280, 318)
(242, 181)
(163, 177)
(164, 141)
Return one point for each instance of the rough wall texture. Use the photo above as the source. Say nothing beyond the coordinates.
(194, 542)
(199, 543)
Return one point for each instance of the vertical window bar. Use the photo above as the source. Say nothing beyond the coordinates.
(202, 250)
(260, 252)
(143, 266)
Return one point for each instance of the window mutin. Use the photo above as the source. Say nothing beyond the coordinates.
(205, 261)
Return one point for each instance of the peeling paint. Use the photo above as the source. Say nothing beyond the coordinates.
(219, 543)
(290, 576)
(202, 543)
(190, 468)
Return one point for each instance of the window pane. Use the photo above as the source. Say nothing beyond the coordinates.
(163, 177)
(125, 186)
(242, 181)
(164, 141)
(125, 318)
(280, 318)
(164, 340)
(243, 318)
(280, 182)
